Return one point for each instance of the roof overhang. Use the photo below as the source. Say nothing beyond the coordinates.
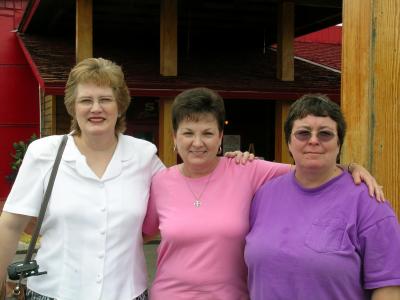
(236, 65)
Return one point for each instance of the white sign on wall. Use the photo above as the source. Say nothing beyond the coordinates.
(231, 142)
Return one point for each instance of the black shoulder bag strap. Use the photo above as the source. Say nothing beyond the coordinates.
(20, 270)
(46, 199)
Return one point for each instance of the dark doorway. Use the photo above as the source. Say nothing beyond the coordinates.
(254, 122)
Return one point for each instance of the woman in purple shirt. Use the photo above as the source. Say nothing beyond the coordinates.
(314, 234)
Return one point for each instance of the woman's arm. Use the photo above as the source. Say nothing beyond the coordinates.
(361, 174)
(240, 157)
(386, 293)
(358, 172)
(11, 227)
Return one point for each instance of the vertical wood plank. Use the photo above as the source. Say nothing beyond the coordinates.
(169, 38)
(166, 143)
(48, 115)
(62, 117)
(356, 84)
(386, 74)
(84, 29)
(281, 149)
(371, 89)
(53, 100)
(285, 46)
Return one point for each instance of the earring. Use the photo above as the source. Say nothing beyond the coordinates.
(174, 147)
(219, 150)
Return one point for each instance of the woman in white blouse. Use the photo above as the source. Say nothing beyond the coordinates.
(91, 244)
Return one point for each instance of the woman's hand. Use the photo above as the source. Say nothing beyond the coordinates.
(11, 227)
(240, 157)
(360, 174)
(386, 293)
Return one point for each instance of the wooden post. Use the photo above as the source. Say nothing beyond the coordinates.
(285, 48)
(169, 38)
(49, 115)
(281, 149)
(371, 89)
(166, 142)
(84, 29)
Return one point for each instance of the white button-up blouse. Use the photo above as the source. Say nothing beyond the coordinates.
(91, 244)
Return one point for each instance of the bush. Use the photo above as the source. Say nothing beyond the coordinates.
(20, 150)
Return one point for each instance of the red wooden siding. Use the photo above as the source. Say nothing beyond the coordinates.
(19, 94)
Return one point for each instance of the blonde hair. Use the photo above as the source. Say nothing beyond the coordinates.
(101, 72)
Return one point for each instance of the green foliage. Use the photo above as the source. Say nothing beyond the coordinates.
(20, 150)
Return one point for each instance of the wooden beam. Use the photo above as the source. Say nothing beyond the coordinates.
(48, 115)
(285, 46)
(84, 30)
(166, 142)
(371, 89)
(281, 150)
(169, 38)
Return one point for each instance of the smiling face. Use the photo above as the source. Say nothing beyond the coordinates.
(197, 142)
(96, 109)
(314, 153)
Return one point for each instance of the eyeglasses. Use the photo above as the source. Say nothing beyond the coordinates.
(88, 102)
(322, 136)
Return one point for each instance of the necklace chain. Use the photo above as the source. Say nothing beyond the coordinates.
(197, 199)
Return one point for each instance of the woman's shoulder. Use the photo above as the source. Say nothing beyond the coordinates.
(45, 147)
(257, 165)
(138, 144)
(279, 182)
(167, 174)
(170, 171)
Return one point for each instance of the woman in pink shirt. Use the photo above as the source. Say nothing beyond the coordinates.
(201, 207)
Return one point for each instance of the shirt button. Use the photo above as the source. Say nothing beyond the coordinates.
(103, 209)
(99, 278)
(101, 255)
(102, 232)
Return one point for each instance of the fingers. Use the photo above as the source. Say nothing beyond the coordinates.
(230, 154)
(247, 157)
(374, 189)
(380, 196)
(357, 179)
(240, 157)
(237, 155)
(370, 184)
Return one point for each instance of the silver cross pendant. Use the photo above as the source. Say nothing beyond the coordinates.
(197, 203)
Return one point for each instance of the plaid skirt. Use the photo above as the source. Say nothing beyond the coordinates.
(31, 295)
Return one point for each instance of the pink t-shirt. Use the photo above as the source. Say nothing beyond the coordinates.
(201, 251)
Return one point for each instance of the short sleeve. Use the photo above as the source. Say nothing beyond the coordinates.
(380, 247)
(151, 221)
(266, 170)
(27, 191)
(156, 165)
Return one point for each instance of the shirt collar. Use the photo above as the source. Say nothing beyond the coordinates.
(123, 151)
(123, 155)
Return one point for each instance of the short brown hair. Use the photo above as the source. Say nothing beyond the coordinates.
(318, 105)
(101, 72)
(192, 103)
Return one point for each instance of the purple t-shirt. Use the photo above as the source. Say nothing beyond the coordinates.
(330, 242)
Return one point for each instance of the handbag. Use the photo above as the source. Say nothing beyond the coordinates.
(28, 267)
